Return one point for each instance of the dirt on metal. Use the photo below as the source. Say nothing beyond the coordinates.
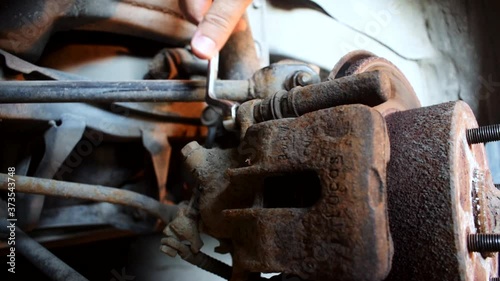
(437, 190)
(303, 196)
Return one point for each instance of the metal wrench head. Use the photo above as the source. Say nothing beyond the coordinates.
(213, 70)
(225, 107)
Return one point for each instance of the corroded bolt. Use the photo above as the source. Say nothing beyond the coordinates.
(368, 88)
(304, 79)
(483, 134)
(189, 148)
(210, 117)
(483, 242)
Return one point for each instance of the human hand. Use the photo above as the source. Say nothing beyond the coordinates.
(216, 21)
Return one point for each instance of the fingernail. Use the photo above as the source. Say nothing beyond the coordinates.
(204, 46)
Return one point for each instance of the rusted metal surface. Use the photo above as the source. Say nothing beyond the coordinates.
(279, 76)
(72, 88)
(199, 259)
(156, 143)
(94, 193)
(121, 119)
(119, 122)
(40, 257)
(121, 91)
(239, 59)
(401, 97)
(370, 88)
(26, 68)
(439, 191)
(26, 33)
(177, 119)
(59, 143)
(264, 83)
(173, 63)
(304, 196)
(185, 228)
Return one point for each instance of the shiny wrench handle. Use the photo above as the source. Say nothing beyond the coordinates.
(225, 107)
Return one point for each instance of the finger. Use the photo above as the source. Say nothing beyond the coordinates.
(194, 10)
(216, 26)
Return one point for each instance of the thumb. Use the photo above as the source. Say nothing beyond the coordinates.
(216, 26)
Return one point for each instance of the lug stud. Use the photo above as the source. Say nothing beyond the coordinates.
(483, 242)
(483, 134)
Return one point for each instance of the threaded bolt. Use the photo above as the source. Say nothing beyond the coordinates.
(483, 134)
(304, 79)
(483, 243)
(497, 185)
(495, 279)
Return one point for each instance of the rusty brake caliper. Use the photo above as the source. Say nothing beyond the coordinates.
(305, 195)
